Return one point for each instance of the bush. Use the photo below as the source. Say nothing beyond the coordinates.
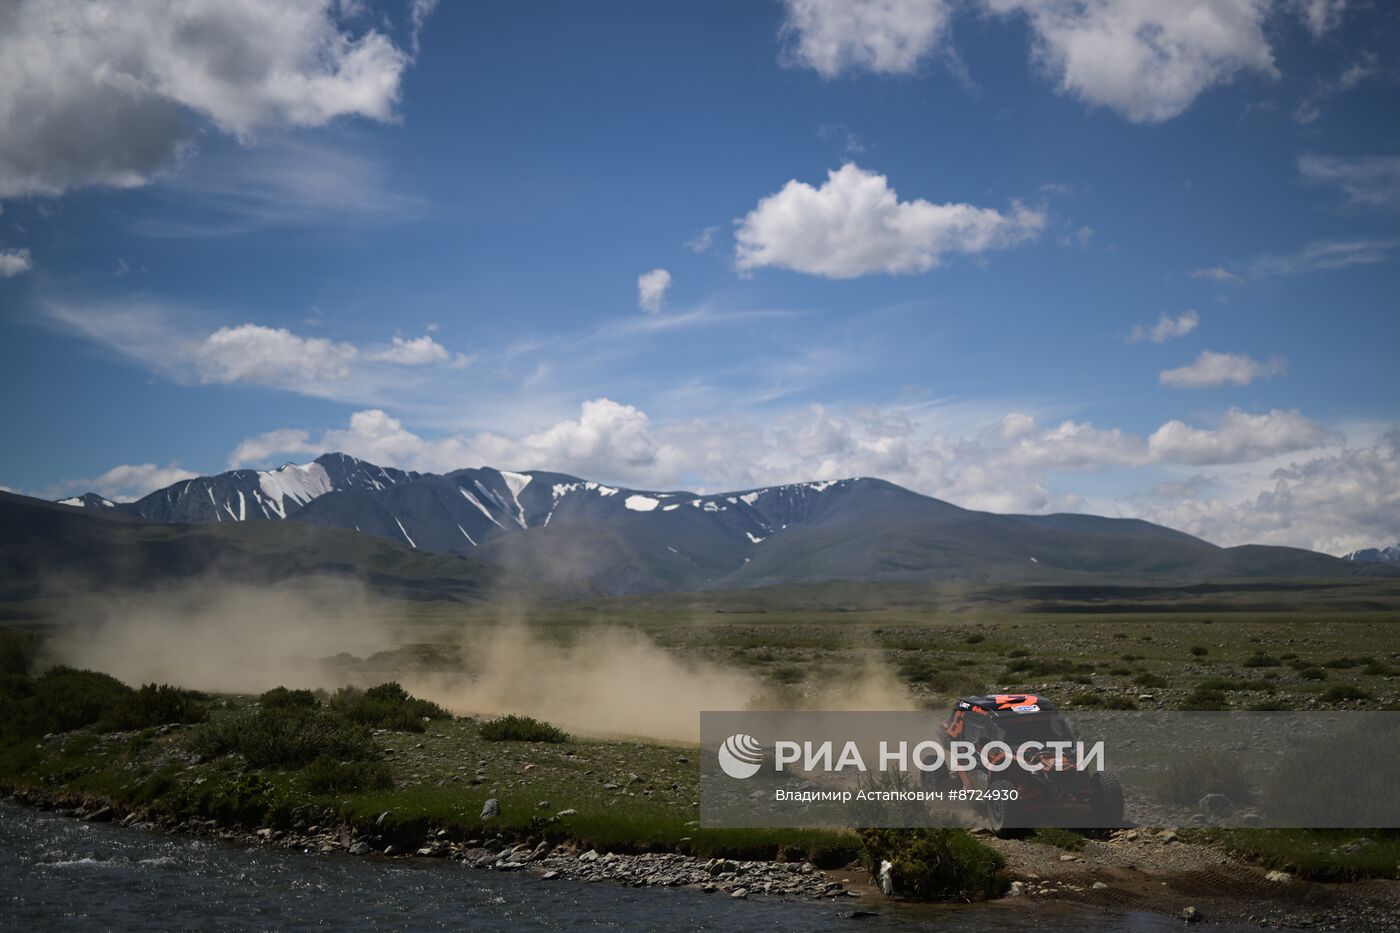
(521, 729)
(281, 698)
(976, 638)
(1066, 839)
(61, 700)
(936, 864)
(285, 738)
(153, 705)
(1206, 700)
(1199, 651)
(1149, 679)
(1312, 673)
(1260, 659)
(19, 652)
(1185, 782)
(326, 775)
(1102, 701)
(1339, 693)
(387, 706)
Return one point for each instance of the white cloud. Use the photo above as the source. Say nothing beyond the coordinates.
(1336, 503)
(1145, 59)
(258, 449)
(702, 241)
(1239, 438)
(101, 93)
(270, 356)
(1218, 369)
(14, 262)
(130, 481)
(881, 36)
(1166, 328)
(651, 290)
(1309, 109)
(169, 342)
(420, 351)
(1367, 181)
(1216, 274)
(1320, 16)
(855, 224)
(1325, 255)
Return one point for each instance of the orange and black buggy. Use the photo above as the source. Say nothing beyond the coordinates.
(1018, 796)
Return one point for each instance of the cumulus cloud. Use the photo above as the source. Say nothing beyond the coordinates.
(1146, 60)
(110, 93)
(284, 441)
(1366, 181)
(651, 290)
(14, 262)
(1336, 503)
(855, 224)
(129, 481)
(419, 351)
(1239, 438)
(1166, 328)
(165, 340)
(881, 36)
(1218, 369)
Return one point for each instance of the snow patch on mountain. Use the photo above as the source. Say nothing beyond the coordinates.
(641, 503)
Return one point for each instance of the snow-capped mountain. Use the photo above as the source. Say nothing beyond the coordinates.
(88, 500)
(254, 495)
(555, 528)
(1376, 555)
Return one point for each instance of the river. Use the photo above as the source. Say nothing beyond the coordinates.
(59, 873)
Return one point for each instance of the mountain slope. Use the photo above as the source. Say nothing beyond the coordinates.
(554, 528)
(48, 548)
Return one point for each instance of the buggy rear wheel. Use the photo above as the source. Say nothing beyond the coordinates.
(1002, 812)
(1108, 806)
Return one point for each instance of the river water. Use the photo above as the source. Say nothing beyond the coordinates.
(59, 873)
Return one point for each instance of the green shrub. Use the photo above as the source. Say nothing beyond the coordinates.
(387, 706)
(1066, 839)
(281, 698)
(19, 651)
(521, 729)
(936, 864)
(285, 738)
(976, 638)
(1260, 659)
(1344, 663)
(1149, 679)
(60, 700)
(1312, 673)
(1206, 700)
(1088, 700)
(1338, 693)
(153, 705)
(326, 775)
(1199, 651)
(1185, 782)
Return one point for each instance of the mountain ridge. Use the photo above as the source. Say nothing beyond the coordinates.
(556, 528)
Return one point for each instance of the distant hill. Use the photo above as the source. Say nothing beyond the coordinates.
(48, 548)
(552, 528)
(1376, 555)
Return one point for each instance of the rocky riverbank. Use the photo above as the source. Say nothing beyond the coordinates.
(318, 831)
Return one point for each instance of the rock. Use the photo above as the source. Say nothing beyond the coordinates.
(359, 848)
(264, 834)
(739, 894)
(858, 914)
(382, 817)
(491, 809)
(1190, 915)
(1146, 697)
(1278, 877)
(100, 815)
(1017, 889)
(1099, 886)
(1068, 857)
(590, 856)
(563, 813)
(550, 875)
(1167, 835)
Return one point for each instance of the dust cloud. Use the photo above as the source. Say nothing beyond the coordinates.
(597, 680)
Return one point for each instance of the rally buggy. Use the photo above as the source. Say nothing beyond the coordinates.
(1013, 798)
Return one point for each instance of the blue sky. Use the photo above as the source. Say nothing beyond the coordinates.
(1128, 258)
